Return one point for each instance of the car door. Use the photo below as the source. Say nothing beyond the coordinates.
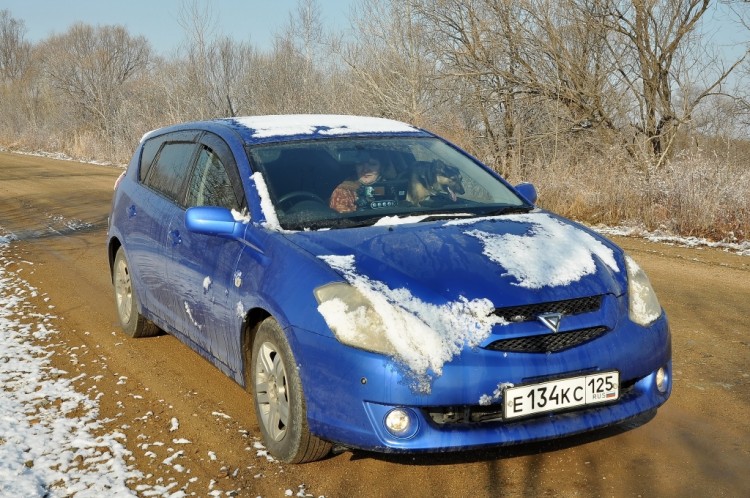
(202, 267)
(165, 164)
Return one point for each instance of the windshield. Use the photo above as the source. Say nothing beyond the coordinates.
(340, 183)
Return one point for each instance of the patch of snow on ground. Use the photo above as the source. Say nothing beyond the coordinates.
(741, 248)
(424, 336)
(61, 156)
(51, 443)
(551, 253)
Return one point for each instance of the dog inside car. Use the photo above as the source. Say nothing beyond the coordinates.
(433, 181)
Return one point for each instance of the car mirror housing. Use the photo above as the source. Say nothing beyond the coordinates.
(211, 220)
(528, 191)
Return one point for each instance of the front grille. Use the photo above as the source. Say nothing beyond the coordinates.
(547, 343)
(530, 312)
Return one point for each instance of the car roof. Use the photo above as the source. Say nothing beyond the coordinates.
(291, 127)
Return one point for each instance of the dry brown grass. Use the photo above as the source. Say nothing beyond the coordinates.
(690, 196)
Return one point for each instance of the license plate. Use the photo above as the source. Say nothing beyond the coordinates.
(561, 394)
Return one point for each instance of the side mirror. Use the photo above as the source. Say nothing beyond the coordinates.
(528, 191)
(210, 220)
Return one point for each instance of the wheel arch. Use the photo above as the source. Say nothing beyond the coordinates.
(253, 318)
(112, 248)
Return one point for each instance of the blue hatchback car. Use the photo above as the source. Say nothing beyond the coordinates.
(373, 286)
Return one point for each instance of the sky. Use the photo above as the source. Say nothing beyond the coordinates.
(253, 21)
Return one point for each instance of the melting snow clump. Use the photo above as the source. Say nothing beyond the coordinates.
(550, 254)
(266, 206)
(424, 336)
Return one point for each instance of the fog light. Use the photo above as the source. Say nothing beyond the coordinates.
(661, 380)
(398, 422)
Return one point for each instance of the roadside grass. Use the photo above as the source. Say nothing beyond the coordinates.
(694, 196)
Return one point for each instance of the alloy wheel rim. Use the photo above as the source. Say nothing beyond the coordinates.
(271, 392)
(123, 292)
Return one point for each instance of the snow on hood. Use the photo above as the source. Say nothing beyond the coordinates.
(435, 285)
(510, 260)
(551, 253)
(424, 336)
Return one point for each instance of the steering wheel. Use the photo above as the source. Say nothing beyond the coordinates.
(301, 194)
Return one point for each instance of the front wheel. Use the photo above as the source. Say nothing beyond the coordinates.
(279, 401)
(132, 322)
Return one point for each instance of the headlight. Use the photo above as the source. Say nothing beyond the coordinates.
(643, 305)
(352, 318)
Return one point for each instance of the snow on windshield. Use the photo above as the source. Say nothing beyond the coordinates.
(310, 124)
(425, 336)
(266, 206)
(550, 254)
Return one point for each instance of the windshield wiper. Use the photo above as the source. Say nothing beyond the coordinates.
(441, 216)
(508, 210)
(355, 222)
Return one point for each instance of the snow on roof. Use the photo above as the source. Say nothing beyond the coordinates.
(551, 253)
(319, 124)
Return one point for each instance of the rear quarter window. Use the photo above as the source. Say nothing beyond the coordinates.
(148, 154)
(170, 169)
(152, 146)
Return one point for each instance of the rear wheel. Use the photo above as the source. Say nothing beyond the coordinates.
(132, 322)
(279, 400)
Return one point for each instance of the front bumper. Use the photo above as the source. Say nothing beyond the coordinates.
(350, 392)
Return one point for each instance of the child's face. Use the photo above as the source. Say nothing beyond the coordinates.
(368, 171)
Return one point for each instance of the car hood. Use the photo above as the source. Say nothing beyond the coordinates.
(511, 260)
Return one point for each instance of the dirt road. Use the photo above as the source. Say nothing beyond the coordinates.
(698, 444)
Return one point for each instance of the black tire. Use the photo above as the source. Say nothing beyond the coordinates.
(278, 398)
(126, 301)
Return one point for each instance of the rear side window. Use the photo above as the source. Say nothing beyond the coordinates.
(172, 165)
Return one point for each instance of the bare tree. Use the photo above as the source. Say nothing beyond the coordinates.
(302, 60)
(477, 48)
(391, 62)
(92, 67)
(657, 48)
(533, 71)
(210, 74)
(14, 50)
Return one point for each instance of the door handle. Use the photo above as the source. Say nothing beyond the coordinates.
(131, 211)
(174, 237)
